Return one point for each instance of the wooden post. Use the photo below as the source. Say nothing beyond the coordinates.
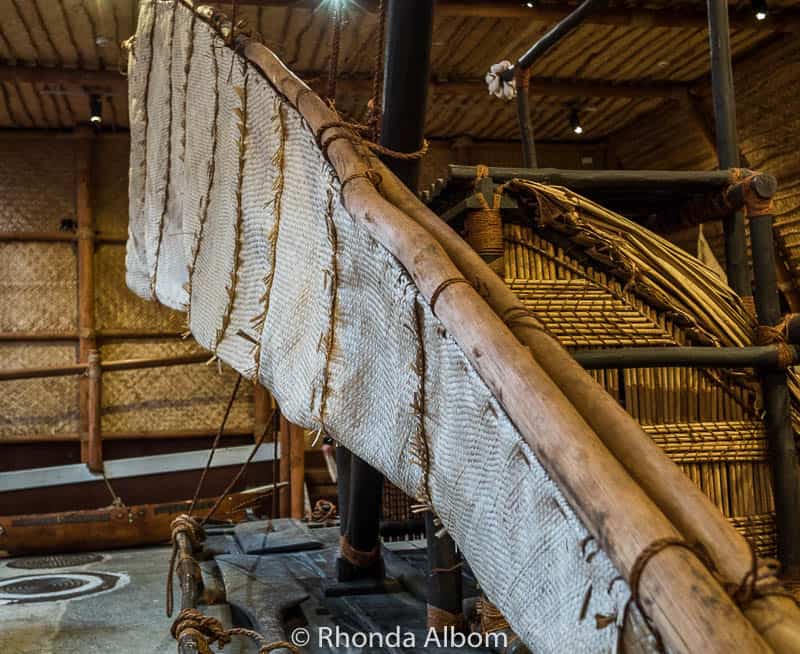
(284, 439)
(297, 470)
(85, 254)
(777, 402)
(445, 593)
(261, 410)
(94, 443)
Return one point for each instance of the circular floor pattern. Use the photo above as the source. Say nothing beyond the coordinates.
(54, 561)
(26, 589)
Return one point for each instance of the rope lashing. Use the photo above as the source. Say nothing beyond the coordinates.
(751, 587)
(498, 87)
(441, 619)
(351, 132)
(777, 336)
(359, 558)
(372, 176)
(204, 631)
(442, 286)
(191, 528)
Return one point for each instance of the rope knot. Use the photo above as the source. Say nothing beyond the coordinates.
(204, 630)
(769, 335)
(186, 524)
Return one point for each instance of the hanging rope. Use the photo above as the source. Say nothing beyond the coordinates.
(214, 445)
(333, 60)
(375, 105)
(235, 479)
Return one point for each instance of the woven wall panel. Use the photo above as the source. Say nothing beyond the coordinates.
(109, 186)
(116, 307)
(38, 286)
(33, 407)
(37, 178)
(169, 398)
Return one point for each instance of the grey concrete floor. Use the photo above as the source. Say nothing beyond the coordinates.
(126, 618)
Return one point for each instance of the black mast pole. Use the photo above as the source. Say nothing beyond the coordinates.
(777, 403)
(409, 33)
(727, 141)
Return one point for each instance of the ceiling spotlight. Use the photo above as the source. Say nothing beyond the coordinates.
(760, 8)
(529, 5)
(95, 109)
(575, 122)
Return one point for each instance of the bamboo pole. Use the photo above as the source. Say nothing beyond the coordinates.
(94, 445)
(687, 605)
(58, 237)
(100, 334)
(74, 437)
(85, 255)
(684, 504)
(109, 366)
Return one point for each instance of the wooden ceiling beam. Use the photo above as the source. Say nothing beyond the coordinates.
(538, 87)
(66, 80)
(70, 80)
(787, 20)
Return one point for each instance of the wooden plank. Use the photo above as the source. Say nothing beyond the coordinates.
(77, 473)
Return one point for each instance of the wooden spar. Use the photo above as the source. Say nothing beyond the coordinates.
(297, 471)
(664, 181)
(683, 503)
(85, 255)
(108, 366)
(188, 572)
(687, 605)
(94, 405)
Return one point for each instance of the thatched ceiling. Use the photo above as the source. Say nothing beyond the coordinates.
(626, 60)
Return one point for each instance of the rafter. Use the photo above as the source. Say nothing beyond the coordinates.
(112, 83)
(98, 81)
(787, 20)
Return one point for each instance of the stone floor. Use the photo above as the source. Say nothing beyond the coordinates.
(277, 578)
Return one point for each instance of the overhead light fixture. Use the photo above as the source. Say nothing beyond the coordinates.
(760, 8)
(95, 109)
(529, 5)
(575, 122)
